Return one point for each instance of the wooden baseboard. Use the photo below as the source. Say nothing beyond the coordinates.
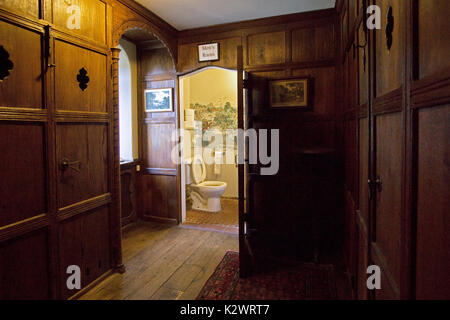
(170, 221)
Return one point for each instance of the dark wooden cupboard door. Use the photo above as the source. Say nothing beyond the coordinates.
(56, 136)
(262, 232)
(431, 111)
(387, 157)
(82, 159)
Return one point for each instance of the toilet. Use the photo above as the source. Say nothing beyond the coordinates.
(205, 195)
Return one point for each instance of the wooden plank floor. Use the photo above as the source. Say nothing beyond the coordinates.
(164, 262)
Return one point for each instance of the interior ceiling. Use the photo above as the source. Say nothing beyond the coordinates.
(188, 14)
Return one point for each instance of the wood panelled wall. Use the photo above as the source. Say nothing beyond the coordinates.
(54, 215)
(278, 45)
(395, 119)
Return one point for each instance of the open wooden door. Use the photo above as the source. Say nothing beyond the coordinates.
(244, 249)
(260, 226)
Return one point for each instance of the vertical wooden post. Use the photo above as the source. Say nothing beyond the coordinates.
(116, 225)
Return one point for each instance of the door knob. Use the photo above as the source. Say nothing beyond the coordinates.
(378, 184)
(374, 184)
(66, 164)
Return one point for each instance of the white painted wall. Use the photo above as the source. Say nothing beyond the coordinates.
(128, 115)
(229, 174)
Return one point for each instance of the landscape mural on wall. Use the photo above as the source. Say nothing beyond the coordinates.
(221, 115)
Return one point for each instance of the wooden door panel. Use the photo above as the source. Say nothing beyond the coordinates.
(389, 62)
(266, 211)
(86, 143)
(26, 7)
(96, 244)
(69, 60)
(24, 267)
(434, 32)
(158, 137)
(22, 167)
(313, 44)
(364, 168)
(159, 197)
(386, 292)
(24, 86)
(84, 242)
(128, 194)
(70, 242)
(389, 153)
(362, 265)
(324, 81)
(433, 239)
(92, 17)
(258, 43)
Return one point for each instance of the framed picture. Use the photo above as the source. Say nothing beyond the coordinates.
(158, 100)
(208, 52)
(291, 93)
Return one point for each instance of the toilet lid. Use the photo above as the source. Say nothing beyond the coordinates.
(198, 170)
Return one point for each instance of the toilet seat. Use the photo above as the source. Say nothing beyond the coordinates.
(211, 184)
(198, 170)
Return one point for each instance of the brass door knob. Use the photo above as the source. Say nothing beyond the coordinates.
(66, 164)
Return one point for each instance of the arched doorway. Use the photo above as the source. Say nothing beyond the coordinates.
(147, 179)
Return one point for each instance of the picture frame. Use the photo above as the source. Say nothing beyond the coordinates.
(158, 100)
(208, 52)
(287, 93)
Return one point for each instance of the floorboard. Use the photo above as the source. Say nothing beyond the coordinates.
(164, 262)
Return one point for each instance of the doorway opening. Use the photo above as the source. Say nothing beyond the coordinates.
(209, 121)
(145, 63)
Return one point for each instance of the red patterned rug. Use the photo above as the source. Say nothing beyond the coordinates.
(292, 282)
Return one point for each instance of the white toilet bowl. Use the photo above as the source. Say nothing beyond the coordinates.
(205, 194)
